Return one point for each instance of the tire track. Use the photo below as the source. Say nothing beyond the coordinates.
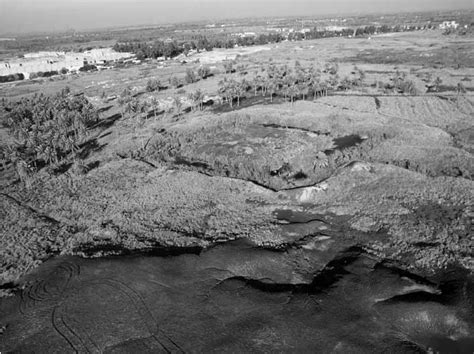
(81, 342)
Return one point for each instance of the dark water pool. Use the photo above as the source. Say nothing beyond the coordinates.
(345, 142)
(234, 298)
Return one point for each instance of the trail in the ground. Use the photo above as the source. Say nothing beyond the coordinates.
(236, 298)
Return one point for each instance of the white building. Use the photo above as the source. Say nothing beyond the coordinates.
(55, 61)
(449, 25)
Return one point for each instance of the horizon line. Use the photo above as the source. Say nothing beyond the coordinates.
(216, 19)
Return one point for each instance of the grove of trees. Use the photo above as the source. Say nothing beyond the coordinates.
(47, 129)
(291, 83)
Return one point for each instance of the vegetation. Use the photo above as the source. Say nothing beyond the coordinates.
(190, 76)
(290, 83)
(88, 67)
(47, 129)
(153, 85)
(170, 49)
(12, 77)
(43, 74)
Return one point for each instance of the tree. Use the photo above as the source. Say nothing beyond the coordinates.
(228, 67)
(437, 83)
(333, 81)
(153, 85)
(271, 87)
(460, 89)
(292, 92)
(174, 82)
(131, 107)
(362, 76)
(240, 88)
(324, 88)
(227, 89)
(49, 128)
(190, 76)
(315, 81)
(256, 83)
(303, 90)
(154, 103)
(346, 83)
(122, 103)
(178, 104)
(204, 71)
(331, 68)
(197, 97)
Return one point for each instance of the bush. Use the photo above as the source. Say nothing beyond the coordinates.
(190, 76)
(88, 67)
(175, 82)
(407, 87)
(12, 77)
(204, 71)
(153, 85)
(50, 73)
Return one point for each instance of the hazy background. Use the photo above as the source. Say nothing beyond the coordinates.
(54, 15)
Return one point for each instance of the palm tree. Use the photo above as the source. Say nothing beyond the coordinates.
(194, 97)
(178, 104)
(154, 105)
(256, 83)
(437, 83)
(240, 88)
(346, 83)
(228, 88)
(272, 87)
(460, 89)
(198, 98)
(315, 86)
(130, 107)
(324, 88)
(333, 81)
(293, 92)
(123, 101)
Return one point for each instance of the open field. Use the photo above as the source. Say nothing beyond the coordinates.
(361, 192)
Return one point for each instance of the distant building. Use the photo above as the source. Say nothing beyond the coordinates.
(449, 25)
(55, 61)
(335, 28)
(245, 34)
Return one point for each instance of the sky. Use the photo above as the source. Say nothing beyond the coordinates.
(20, 16)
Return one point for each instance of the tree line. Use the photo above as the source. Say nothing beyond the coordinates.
(290, 83)
(172, 48)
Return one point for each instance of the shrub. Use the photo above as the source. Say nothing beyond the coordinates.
(204, 71)
(88, 67)
(50, 73)
(153, 85)
(190, 76)
(407, 87)
(174, 82)
(13, 77)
